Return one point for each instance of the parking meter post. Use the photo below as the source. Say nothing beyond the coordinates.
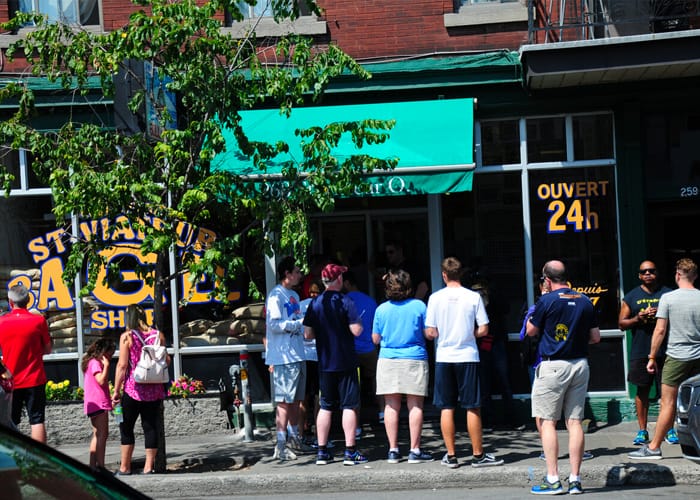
(245, 396)
(235, 373)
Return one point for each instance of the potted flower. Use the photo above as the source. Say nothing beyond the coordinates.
(185, 386)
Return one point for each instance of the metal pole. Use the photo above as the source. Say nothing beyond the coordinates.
(245, 396)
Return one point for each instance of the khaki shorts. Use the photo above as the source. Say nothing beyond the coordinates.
(402, 376)
(676, 371)
(560, 385)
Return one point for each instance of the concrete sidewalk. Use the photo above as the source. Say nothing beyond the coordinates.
(223, 464)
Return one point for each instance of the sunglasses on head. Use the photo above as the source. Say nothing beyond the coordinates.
(650, 270)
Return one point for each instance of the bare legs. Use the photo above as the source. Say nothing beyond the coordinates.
(150, 462)
(415, 419)
(127, 451)
(98, 443)
(392, 407)
(39, 432)
(667, 413)
(323, 426)
(447, 427)
(641, 403)
(474, 429)
(576, 444)
(550, 445)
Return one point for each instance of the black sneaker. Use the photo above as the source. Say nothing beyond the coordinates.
(487, 460)
(450, 461)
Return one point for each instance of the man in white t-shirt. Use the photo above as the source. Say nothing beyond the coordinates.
(452, 313)
(285, 354)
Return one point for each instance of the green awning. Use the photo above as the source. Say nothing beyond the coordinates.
(433, 141)
(49, 93)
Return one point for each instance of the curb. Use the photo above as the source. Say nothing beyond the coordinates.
(313, 478)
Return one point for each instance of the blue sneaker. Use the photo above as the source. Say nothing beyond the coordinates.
(394, 457)
(323, 458)
(671, 436)
(547, 488)
(641, 438)
(419, 458)
(354, 458)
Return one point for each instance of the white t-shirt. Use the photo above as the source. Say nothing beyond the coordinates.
(284, 331)
(454, 311)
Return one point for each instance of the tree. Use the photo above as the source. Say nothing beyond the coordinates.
(154, 184)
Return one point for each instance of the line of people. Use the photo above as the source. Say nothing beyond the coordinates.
(454, 318)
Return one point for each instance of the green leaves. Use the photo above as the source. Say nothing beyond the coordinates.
(97, 172)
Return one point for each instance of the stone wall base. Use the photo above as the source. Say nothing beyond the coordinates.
(67, 424)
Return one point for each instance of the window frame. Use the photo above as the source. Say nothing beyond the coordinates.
(36, 7)
(524, 167)
(469, 14)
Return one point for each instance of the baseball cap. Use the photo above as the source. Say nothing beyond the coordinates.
(332, 271)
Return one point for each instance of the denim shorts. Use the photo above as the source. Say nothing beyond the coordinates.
(289, 382)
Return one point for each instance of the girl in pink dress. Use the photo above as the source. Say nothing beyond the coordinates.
(97, 401)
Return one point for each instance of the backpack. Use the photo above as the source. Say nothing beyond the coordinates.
(152, 366)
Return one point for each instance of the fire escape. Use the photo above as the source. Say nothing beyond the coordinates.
(551, 21)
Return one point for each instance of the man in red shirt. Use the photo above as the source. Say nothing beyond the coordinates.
(24, 339)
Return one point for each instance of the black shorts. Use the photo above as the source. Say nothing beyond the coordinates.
(311, 379)
(639, 376)
(34, 398)
(339, 390)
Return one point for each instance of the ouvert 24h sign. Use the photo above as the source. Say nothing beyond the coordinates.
(50, 292)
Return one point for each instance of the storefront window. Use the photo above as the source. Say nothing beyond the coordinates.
(593, 136)
(546, 139)
(573, 219)
(670, 155)
(478, 229)
(500, 142)
(18, 164)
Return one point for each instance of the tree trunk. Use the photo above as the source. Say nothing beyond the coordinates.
(158, 320)
(161, 463)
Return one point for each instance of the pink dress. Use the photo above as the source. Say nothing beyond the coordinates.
(96, 396)
(141, 392)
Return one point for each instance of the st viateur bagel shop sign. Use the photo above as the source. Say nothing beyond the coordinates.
(52, 293)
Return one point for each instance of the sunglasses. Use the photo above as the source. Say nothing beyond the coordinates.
(542, 279)
(650, 270)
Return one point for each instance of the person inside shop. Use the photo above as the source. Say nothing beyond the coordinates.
(397, 260)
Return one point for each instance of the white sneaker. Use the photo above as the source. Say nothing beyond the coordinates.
(283, 454)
